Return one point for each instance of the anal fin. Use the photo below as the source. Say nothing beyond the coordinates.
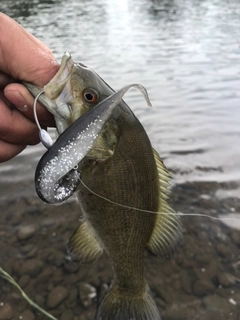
(167, 232)
(166, 235)
(82, 246)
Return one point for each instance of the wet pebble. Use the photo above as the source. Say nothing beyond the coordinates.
(27, 315)
(235, 235)
(223, 250)
(225, 279)
(31, 267)
(56, 296)
(86, 293)
(216, 303)
(183, 311)
(32, 253)
(46, 273)
(186, 283)
(67, 315)
(39, 299)
(203, 257)
(72, 295)
(71, 267)
(59, 258)
(26, 232)
(27, 248)
(202, 287)
(6, 312)
(24, 280)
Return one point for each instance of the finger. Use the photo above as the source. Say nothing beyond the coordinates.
(4, 79)
(5, 100)
(23, 100)
(8, 150)
(15, 128)
(33, 63)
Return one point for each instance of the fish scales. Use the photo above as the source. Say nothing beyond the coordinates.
(123, 180)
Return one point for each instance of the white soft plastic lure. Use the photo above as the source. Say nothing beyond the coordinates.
(57, 177)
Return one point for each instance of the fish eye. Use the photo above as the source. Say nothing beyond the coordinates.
(90, 95)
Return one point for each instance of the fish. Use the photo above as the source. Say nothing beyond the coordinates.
(123, 193)
(57, 177)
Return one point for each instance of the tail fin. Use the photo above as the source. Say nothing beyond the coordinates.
(120, 305)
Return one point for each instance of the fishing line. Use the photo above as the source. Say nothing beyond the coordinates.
(43, 134)
(47, 142)
(35, 110)
(155, 212)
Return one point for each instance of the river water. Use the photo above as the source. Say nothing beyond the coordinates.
(187, 55)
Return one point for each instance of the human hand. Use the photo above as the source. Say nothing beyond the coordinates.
(22, 57)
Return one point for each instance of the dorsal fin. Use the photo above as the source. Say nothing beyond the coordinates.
(167, 232)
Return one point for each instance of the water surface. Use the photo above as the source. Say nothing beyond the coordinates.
(185, 52)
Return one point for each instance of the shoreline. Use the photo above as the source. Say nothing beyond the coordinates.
(202, 281)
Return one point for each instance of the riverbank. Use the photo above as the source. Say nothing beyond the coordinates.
(201, 282)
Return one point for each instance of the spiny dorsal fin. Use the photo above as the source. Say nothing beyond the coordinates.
(167, 232)
(83, 247)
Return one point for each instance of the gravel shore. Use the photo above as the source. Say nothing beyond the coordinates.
(201, 282)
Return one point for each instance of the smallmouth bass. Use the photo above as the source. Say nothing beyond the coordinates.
(123, 167)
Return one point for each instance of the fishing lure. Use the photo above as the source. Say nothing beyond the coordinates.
(57, 177)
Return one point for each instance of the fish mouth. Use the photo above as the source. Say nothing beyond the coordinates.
(56, 85)
(57, 93)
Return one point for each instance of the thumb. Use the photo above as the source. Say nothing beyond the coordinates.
(33, 62)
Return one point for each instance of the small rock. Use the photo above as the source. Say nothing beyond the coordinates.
(71, 267)
(31, 267)
(223, 250)
(225, 280)
(203, 257)
(67, 315)
(86, 293)
(56, 296)
(26, 232)
(160, 303)
(27, 315)
(236, 297)
(216, 303)
(6, 312)
(39, 299)
(24, 280)
(235, 235)
(59, 258)
(72, 297)
(186, 282)
(202, 287)
(27, 248)
(45, 274)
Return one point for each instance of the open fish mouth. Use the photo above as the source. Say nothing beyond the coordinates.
(57, 93)
(55, 87)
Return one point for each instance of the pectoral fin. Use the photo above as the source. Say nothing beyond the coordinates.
(167, 232)
(83, 247)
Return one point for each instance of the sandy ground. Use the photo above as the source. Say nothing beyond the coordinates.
(201, 282)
